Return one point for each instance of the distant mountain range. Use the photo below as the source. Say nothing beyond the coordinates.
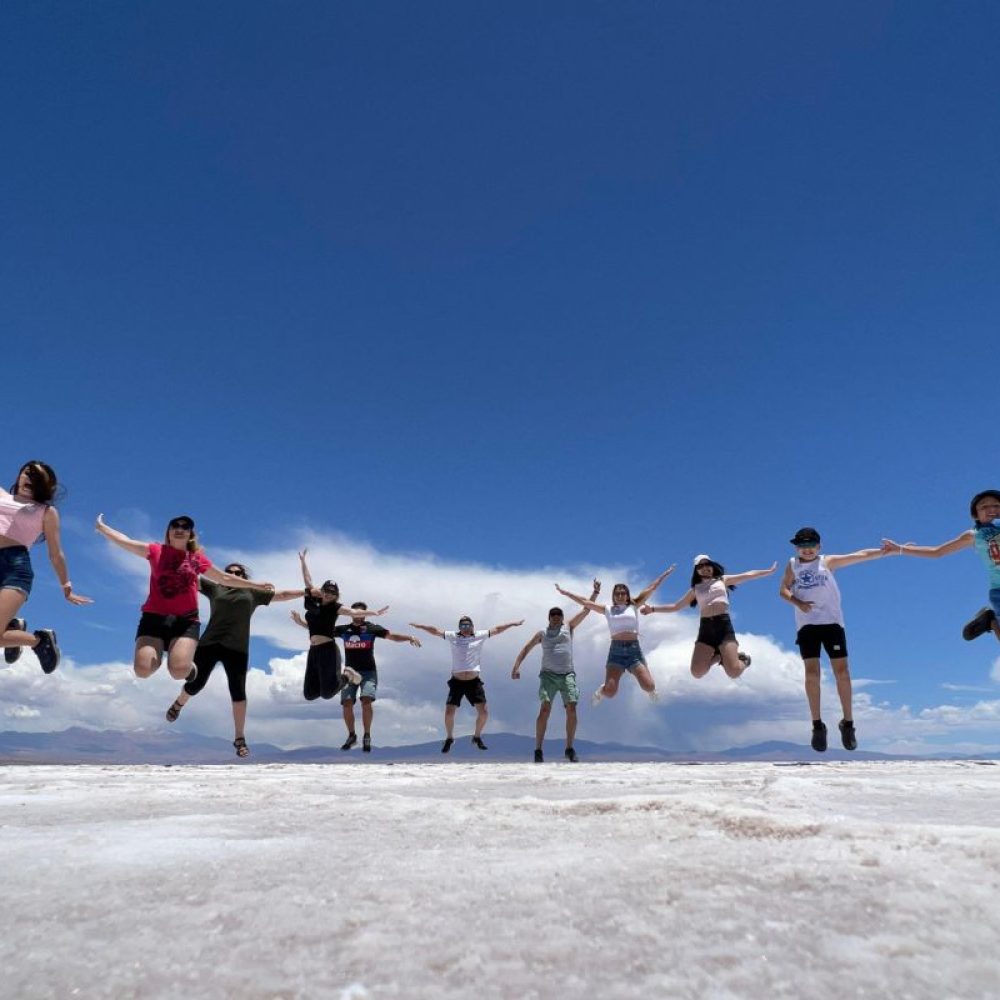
(91, 746)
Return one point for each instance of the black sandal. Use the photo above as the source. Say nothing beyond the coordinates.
(174, 711)
(242, 750)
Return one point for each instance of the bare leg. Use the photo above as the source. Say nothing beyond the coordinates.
(148, 653)
(812, 686)
(612, 678)
(842, 675)
(702, 658)
(541, 723)
(367, 714)
(482, 714)
(348, 709)
(570, 724)
(731, 662)
(11, 601)
(180, 657)
(449, 720)
(645, 678)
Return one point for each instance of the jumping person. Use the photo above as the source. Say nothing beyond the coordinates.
(716, 642)
(984, 537)
(465, 681)
(808, 584)
(226, 640)
(324, 676)
(26, 514)
(359, 654)
(169, 618)
(623, 624)
(557, 674)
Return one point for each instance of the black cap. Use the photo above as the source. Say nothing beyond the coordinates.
(182, 521)
(980, 496)
(806, 536)
(556, 611)
(330, 587)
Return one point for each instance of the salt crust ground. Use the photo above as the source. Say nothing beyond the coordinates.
(507, 880)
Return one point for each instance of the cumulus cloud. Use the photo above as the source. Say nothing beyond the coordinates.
(767, 703)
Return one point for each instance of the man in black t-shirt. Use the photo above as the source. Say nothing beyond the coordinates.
(359, 652)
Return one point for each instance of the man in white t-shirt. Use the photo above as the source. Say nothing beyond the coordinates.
(465, 681)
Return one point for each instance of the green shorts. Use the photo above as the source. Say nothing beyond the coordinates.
(549, 684)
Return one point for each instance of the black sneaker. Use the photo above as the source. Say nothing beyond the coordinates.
(745, 660)
(980, 625)
(819, 737)
(539, 757)
(352, 738)
(47, 651)
(366, 743)
(571, 755)
(477, 742)
(847, 735)
(13, 653)
(446, 748)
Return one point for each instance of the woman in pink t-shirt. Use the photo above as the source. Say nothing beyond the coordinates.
(27, 515)
(170, 614)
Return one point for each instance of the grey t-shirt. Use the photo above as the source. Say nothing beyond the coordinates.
(557, 650)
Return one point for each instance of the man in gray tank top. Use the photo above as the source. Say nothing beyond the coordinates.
(557, 675)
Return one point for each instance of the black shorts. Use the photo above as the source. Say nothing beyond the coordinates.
(234, 662)
(473, 690)
(832, 638)
(715, 631)
(168, 627)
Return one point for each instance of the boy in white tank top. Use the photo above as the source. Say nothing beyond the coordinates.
(809, 585)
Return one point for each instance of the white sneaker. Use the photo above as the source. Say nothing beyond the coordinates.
(352, 675)
(598, 696)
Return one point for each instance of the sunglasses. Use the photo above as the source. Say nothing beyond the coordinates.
(236, 571)
(181, 526)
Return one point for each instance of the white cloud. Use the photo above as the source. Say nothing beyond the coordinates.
(768, 703)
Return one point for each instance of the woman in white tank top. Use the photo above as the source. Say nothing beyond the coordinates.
(625, 653)
(26, 515)
(716, 642)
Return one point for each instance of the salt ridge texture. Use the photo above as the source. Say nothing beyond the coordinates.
(506, 880)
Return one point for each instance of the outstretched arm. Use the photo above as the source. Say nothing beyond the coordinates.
(862, 555)
(963, 541)
(306, 578)
(731, 580)
(497, 629)
(577, 618)
(528, 647)
(231, 580)
(645, 594)
(298, 619)
(396, 637)
(678, 605)
(287, 595)
(361, 612)
(589, 605)
(58, 558)
(140, 549)
(429, 628)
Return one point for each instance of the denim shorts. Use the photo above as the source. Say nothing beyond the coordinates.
(368, 687)
(995, 600)
(625, 654)
(15, 569)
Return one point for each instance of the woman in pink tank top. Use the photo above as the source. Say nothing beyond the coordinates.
(26, 515)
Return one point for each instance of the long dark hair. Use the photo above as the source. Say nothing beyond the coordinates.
(628, 593)
(718, 572)
(43, 479)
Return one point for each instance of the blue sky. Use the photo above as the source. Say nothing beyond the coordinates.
(498, 293)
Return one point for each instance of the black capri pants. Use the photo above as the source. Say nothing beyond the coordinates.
(234, 662)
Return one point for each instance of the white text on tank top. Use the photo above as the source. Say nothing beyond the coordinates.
(712, 592)
(622, 618)
(557, 650)
(814, 582)
(466, 650)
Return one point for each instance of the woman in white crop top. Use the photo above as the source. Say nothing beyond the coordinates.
(623, 623)
(716, 642)
(26, 514)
